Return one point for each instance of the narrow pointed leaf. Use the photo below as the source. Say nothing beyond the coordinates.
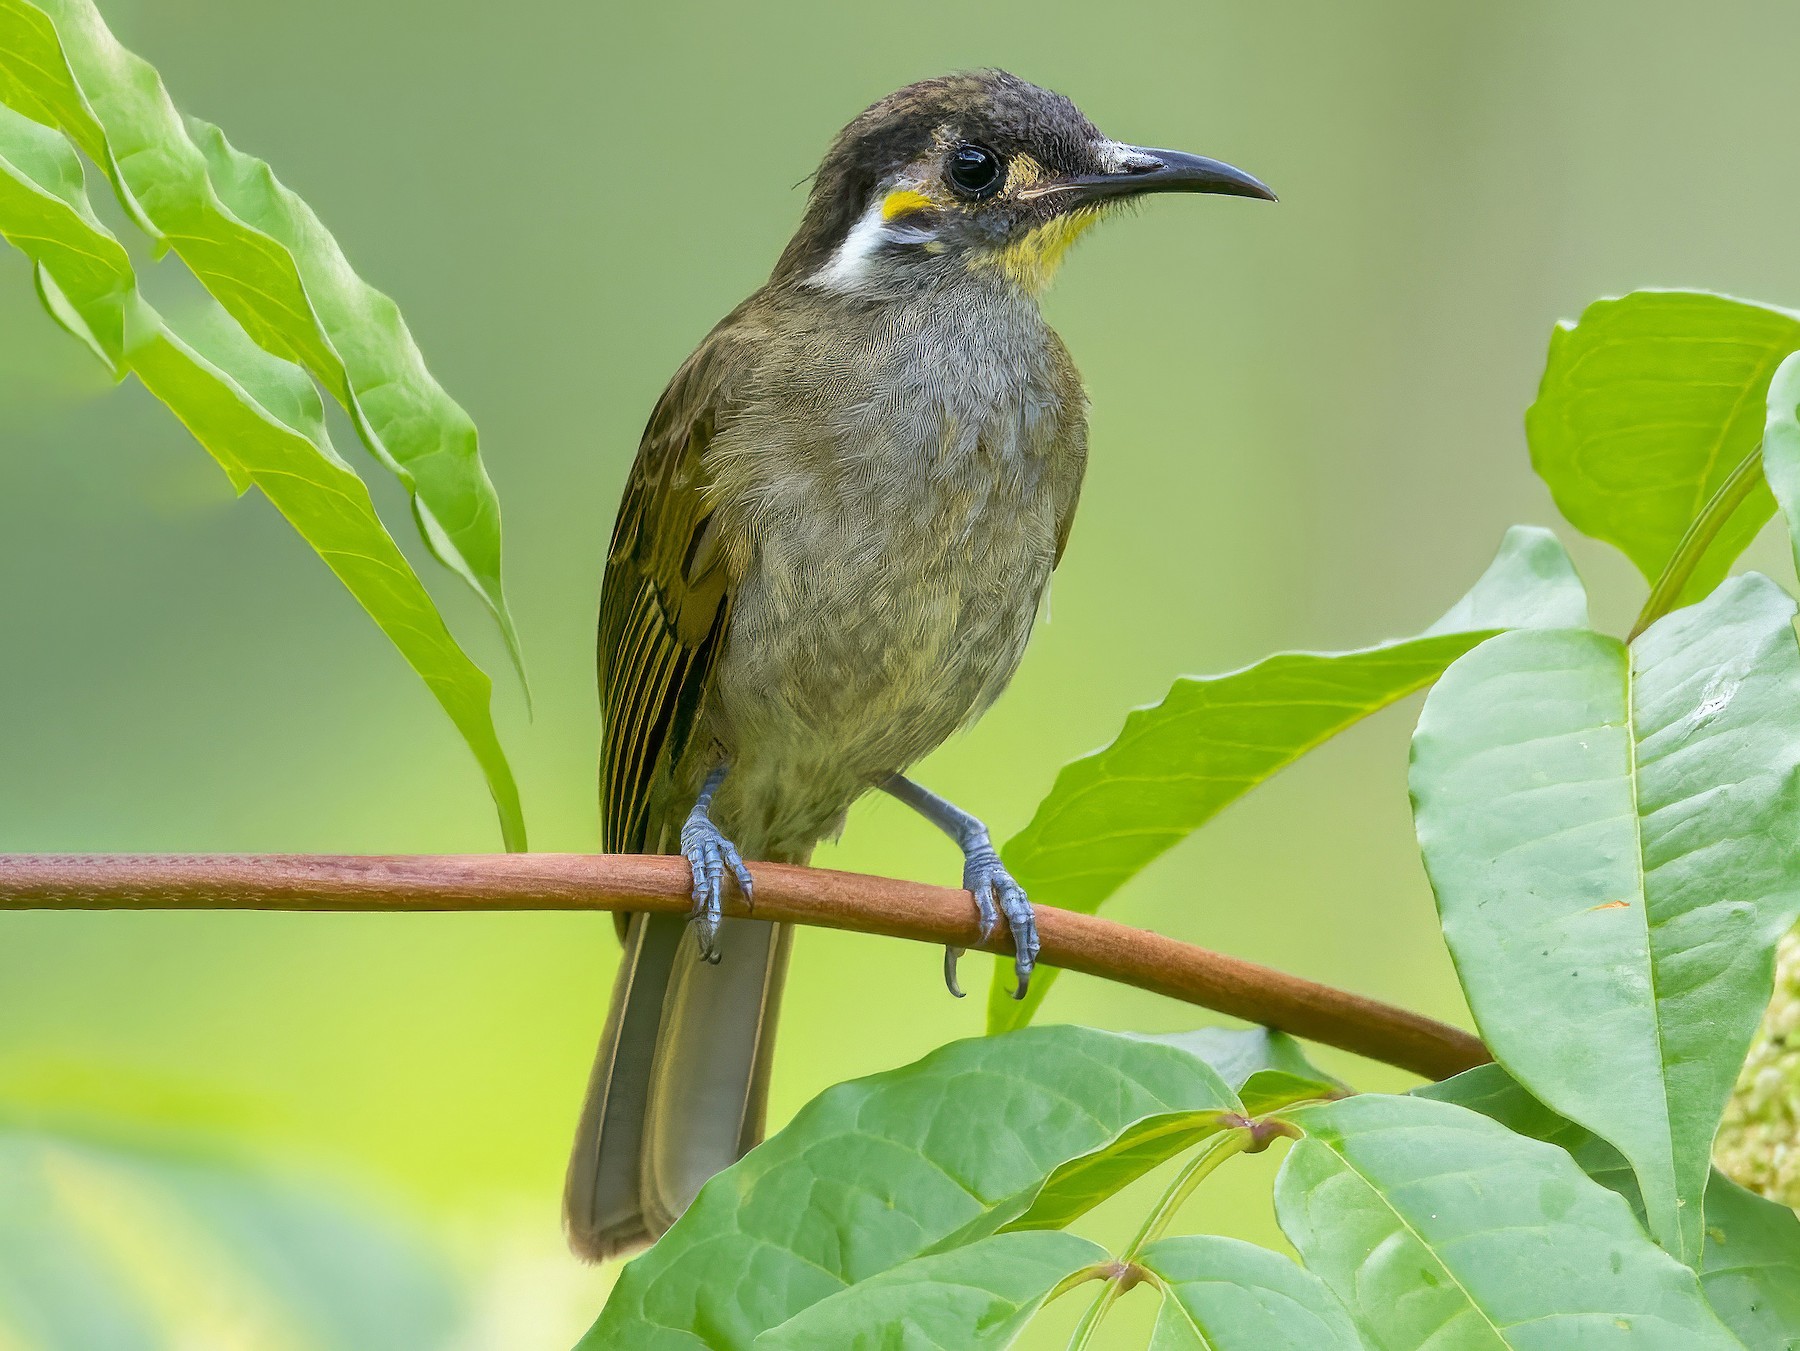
(1646, 405)
(84, 275)
(1220, 1294)
(1609, 837)
(266, 258)
(881, 1170)
(1083, 1183)
(259, 416)
(1439, 1228)
(977, 1298)
(1176, 765)
(403, 415)
(1750, 1261)
(35, 79)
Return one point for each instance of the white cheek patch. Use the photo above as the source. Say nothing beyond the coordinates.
(856, 260)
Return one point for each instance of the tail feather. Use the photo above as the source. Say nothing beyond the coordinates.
(680, 1084)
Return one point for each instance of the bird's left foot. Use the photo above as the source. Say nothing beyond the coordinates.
(997, 895)
(709, 853)
(984, 876)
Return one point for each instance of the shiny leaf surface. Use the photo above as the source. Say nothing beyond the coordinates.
(1439, 1228)
(878, 1171)
(1647, 403)
(1606, 831)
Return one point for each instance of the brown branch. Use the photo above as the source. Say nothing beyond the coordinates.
(833, 900)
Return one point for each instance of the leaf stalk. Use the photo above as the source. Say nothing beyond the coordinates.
(1698, 538)
(1202, 1166)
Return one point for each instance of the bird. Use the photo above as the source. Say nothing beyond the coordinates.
(829, 554)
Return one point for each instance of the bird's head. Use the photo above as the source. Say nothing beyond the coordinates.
(978, 173)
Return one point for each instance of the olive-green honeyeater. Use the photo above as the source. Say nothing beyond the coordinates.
(829, 555)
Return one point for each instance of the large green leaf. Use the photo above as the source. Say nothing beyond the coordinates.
(1439, 1228)
(1176, 765)
(259, 416)
(1609, 833)
(1266, 1069)
(978, 1298)
(266, 258)
(1223, 1295)
(1750, 1263)
(1646, 405)
(878, 1171)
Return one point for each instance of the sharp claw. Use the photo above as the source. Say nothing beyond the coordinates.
(1024, 984)
(950, 956)
(1023, 924)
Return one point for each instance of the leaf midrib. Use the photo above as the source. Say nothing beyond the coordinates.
(1643, 908)
(1406, 1225)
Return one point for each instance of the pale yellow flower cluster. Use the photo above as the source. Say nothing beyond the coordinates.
(1759, 1142)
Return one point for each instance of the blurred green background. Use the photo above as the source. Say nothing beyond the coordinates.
(1306, 433)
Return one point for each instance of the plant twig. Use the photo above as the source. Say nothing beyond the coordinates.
(1698, 538)
(1197, 1169)
(795, 895)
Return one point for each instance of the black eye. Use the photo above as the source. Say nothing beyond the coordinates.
(974, 171)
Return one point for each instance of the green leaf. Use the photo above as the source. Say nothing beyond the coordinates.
(83, 274)
(1082, 1183)
(878, 1171)
(1438, 1227)
(266, 258)
(403, 415)
(1176, 765)
(977, 1298)
(1781, 444)
(1750, 1268)
(35, 79)
(1494, 1093)
(1267, 1069)
(259, 416)
(1609, 836)
(1645, 407)
(1220, 1294)
(1750, 1263)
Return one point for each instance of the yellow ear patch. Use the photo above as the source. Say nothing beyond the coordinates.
(901, 200)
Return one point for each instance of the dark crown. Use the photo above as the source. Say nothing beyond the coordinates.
(998, 110)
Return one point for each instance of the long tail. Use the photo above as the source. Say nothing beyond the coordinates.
(680, 1084)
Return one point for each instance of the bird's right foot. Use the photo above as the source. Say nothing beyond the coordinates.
(709, 854)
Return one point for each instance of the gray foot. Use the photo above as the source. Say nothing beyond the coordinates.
(997, 895)
(709, 854)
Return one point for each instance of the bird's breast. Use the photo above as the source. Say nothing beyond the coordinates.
(901, 538)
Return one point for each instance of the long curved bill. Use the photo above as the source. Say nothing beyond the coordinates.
(1144, 170)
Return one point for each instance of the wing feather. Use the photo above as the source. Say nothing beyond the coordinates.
(666, 598)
